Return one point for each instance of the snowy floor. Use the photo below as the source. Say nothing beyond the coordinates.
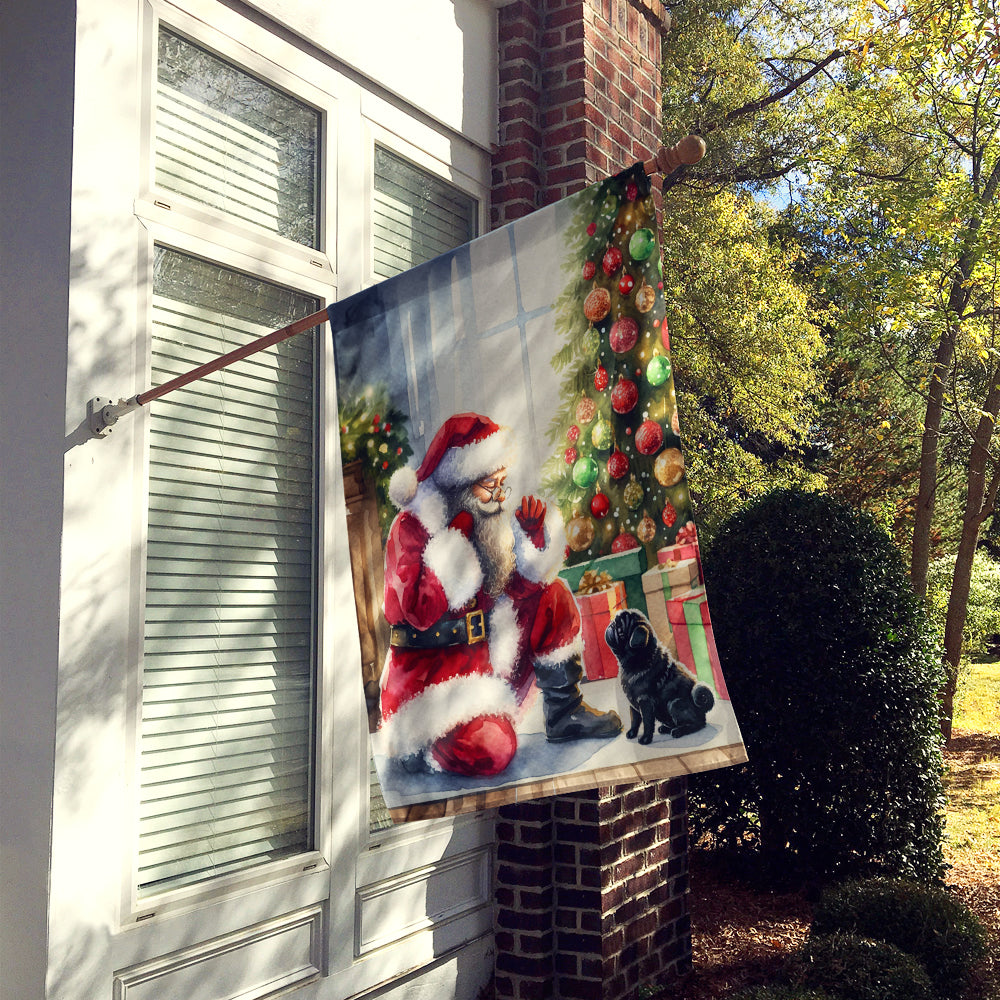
(538, 759)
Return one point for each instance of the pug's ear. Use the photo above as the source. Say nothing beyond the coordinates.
(639, 637)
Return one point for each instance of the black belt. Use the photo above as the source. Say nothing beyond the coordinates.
(468, 630)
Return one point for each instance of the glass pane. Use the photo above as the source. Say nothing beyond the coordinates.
(231, 141)
(417, 216)
(228, 678)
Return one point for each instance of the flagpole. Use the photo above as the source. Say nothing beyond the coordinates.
(103, 413)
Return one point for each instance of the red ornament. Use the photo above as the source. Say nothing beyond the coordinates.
(591, 229)
(571, 455)
(618, 464)
(687, 534)
(669, 514)
(649, 437)
(600, 505)
(573, 433)
(624, 543)
(624, 396)
(589, 270)
(631, 190)
(624, 334)
(626, 283)
(611, 261)
(601, 378)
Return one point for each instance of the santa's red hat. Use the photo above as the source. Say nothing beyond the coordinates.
(466, 448)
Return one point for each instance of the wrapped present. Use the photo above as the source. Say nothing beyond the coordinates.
(692, 629)
(661, 583)
(625, 566)
(685, 547)
(597, 606)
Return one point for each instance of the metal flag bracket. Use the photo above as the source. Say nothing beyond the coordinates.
(103, 413)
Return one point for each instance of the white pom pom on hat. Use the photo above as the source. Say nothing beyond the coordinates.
(403, 486)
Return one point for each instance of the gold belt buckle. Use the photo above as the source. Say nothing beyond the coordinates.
(475, 627)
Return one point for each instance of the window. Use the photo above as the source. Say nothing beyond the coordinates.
(229, 648)
(417, 216)
(228, 140)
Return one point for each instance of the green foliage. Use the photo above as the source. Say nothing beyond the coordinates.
(833, 676)
(926, 922)
(857, 968)
(373, 433)
(983, 611)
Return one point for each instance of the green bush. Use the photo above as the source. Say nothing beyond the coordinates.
(982, 619)
(833, 674)
(925, 922)
(857, 968)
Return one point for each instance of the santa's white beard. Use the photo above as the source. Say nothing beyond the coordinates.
(493, 538)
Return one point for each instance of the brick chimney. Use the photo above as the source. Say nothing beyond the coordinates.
(591, 888)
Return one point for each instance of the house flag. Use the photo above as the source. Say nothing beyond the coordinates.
(531, 608)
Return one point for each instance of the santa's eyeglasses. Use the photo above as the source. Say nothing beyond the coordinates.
(494, 488)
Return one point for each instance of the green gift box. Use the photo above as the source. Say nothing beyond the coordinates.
(663, 582)
(625, 566)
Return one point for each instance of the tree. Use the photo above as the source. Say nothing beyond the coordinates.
(912, 177)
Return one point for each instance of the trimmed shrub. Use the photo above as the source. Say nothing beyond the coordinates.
(924, 921)
(833, 674)
(857, 968)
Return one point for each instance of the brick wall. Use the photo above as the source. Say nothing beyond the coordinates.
(579, 96)
(591, 889)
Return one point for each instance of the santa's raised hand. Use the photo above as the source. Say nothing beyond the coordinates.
(531, 516)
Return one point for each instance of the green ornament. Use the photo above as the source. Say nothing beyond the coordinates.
(642, 244)
(601, 434)
(658, 369)
(585, 473)
(632, 495)
(591, 342)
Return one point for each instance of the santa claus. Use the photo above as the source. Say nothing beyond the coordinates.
(477, 611)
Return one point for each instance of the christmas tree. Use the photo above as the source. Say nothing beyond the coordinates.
(618, 475)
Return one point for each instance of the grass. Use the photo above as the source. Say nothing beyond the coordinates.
(973, 784)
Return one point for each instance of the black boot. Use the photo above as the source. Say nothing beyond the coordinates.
(566, 715)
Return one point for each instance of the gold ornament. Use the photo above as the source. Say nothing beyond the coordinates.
(586, 410)
(669, 467)
(646, 531)
(633, 495)
(579, 532)
(645, 298)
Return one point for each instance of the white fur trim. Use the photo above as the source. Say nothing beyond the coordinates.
(403, 486)
(429, 508)
(573, 648)
(438, 709)
(452, 558)
(461, 466)
(541, 565)
(504, 637)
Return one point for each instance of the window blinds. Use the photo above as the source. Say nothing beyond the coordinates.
(225, 139)
(227, 680)
(417, 216)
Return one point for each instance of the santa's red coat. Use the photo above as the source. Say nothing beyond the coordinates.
(432, 571)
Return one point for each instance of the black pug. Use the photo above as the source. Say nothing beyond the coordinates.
(656, 685)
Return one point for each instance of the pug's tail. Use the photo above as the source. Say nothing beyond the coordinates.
(701, 695)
